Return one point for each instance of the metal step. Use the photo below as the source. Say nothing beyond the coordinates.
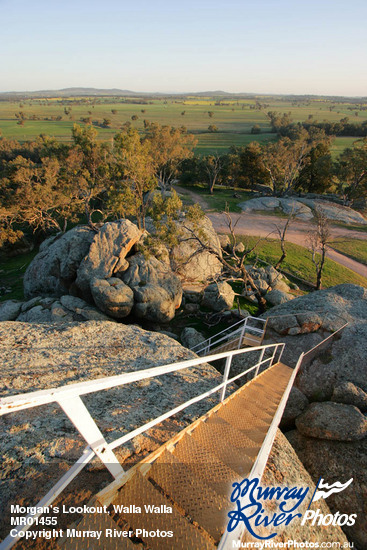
(255, 434)
(238, 453)
(186, 489)
(139, 491)
(206, 466)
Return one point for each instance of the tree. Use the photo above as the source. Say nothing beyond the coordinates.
(282, 231)
(212, 128)
(34, 194)
(351, 169)
(234, 268)
(256, 129)
(283, 160)
(134, 175)
(212, 165)
(318, 240)
(106, 122)
(316, 176)
(211, 114)
(134, 117)
(87, 168)
(245, 165)
(169, 147)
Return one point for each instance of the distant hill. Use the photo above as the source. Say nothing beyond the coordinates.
(116, 92)
(75, 92)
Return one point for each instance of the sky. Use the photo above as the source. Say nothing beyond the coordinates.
(258, 46)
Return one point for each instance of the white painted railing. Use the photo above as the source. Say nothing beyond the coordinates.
(237, 331)
(229, 539)
(68, 397)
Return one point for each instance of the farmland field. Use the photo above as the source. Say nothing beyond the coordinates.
(233, 118)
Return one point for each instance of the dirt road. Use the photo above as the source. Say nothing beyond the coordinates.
(262, 225)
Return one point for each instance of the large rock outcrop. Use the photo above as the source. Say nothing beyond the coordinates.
(192, 261)
(50, 310)
(305, 321)
(287, 206)
(53, 271)
(105, 269)
(331, 435)
(218, 296)
(304, 208)
(157, 291)
(107, 253)
(113, 297)
(335, 421)
(338, 461)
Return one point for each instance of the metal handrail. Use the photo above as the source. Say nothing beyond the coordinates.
(207, 344)
(308, 356)
(228, 539)
(68, 397)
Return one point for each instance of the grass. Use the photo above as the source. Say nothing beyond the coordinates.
(350, 226)
(221, 196)
(11, 275)
(340, 143)
(233, 118)
(298, 262)
(354, 248)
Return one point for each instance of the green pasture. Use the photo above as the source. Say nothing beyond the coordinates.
(233, 118)
(221, 197)
(354, 248)
(340, 143)
(298, 262)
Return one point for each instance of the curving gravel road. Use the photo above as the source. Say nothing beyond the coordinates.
(262, 225)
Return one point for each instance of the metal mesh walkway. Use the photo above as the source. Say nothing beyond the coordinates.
(192, 474)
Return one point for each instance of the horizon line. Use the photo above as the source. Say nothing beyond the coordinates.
(167, 93)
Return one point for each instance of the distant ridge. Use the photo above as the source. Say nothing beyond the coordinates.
(116, 92)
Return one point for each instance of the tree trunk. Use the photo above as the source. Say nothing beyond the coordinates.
(320, 269)
(260, 299)
(281, 259)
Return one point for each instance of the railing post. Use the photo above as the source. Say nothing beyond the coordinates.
(209, 345)
(272, 357)
(258, 366)
(225, 377)
(242, 334)
(281, 353)
(79, 415)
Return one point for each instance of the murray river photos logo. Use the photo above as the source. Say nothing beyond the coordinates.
(250, 498)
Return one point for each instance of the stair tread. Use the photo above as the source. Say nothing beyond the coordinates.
(139, 491)
(200, 501)
(255, 434)
(222, 442)
(206, 465)
(236, 413)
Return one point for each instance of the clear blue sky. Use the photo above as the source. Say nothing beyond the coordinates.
(264, 46)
